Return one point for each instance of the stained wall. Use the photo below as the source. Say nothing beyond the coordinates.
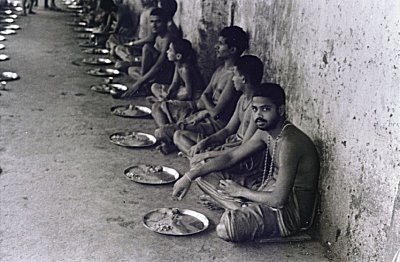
(339, 64)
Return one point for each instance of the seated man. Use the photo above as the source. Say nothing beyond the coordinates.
(187, 83)
(126, 51)
(217, 103)
(248, 72)
(155, 65)
(170, 7)
(125, 27)
(280, 200)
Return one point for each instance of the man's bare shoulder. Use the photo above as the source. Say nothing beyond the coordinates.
(297, 141)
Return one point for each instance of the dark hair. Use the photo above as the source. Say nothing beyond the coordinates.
(170, 7)
(272, 91)
(107, 5)
(251, 67)
(149, 3)
(235, 36)
(183, 47)
(160, 13)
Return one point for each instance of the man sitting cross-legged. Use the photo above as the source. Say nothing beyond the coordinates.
(248, 72)
(280, 200)
(187, 83)
(155, 65)
(127, 51)
(216, 105)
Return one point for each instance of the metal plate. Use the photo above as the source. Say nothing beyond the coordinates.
(131, 111)
(13, 16)
(83, 29)
(102, 88)
(96, 51)
(7, 20)
(88, 44)
(6, 12)
(12, 27)
(106, 88)
(7, 32)
(84, 36)
(151, 175)
(97, 61)
(8, 76)
(77, 23)
(175, 221)
(4, 57)
(103, 72)
(75, 7)
(133, 139)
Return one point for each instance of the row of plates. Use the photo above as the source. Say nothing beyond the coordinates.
(167, 221)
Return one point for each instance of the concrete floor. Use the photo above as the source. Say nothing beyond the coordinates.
(63, 195)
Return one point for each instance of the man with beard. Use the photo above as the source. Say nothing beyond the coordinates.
(279, 201)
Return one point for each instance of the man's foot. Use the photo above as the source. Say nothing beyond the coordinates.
(165, 148)
(134, 72)
(32, 12)
(46, 7)
(208, 202)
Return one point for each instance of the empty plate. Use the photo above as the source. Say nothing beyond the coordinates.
(8, 76)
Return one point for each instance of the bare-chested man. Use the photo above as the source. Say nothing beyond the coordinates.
(247, 75)
(155, 65)
(280, 200)
(217, 103)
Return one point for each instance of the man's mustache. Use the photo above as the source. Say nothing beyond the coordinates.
(258, 119)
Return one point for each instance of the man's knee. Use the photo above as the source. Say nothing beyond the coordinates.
(178, 136)
(221, 232)
(155, 88)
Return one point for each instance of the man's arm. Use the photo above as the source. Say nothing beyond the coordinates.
(217, 164)
(289, 157)
(219, 136)
(175, 83)
(209, 89)
(226, 98)
(251, 129)
(155, 69)
(147, 40)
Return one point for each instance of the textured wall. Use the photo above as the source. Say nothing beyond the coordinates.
(201, 22)
(339, 64)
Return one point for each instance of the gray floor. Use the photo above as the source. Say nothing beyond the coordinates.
(63, 195)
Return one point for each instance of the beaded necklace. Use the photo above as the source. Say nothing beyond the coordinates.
(267, 178)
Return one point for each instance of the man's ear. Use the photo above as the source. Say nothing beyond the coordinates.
(233, 50)
(281, 110)
(178, 56)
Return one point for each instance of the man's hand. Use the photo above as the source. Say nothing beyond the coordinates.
(131, 43)
(197, 117)
(197, 148)
(181, 187)
(231, 188)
